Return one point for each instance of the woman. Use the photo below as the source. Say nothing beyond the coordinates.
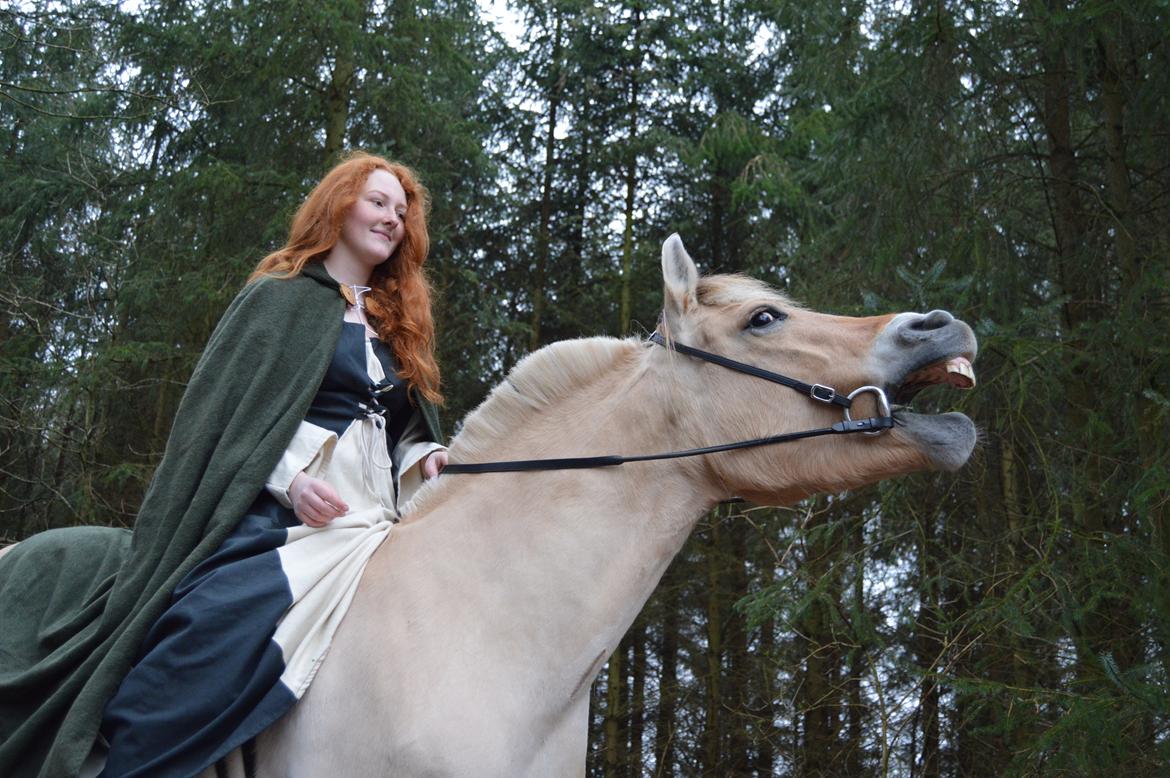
(248, 626)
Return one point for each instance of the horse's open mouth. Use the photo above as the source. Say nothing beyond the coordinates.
(954, 371)
(946, 439)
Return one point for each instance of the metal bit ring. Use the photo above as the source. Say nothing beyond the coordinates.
(882, 401)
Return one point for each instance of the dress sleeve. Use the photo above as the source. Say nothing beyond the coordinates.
(310, 451)
(413, 446)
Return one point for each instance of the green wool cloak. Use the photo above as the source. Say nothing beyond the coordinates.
(75, 604)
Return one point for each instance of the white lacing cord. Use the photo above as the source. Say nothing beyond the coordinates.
(369, 437)
(359, 305)
(358, 291)
(372, 428)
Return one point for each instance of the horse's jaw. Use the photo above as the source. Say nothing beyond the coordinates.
(945, 440)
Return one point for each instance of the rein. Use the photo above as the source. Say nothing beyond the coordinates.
(819, 392)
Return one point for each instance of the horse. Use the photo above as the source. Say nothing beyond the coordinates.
(480, 623)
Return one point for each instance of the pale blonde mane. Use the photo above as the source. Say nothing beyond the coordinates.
(566, 367)
(538, 380)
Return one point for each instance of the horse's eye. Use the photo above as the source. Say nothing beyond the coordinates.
(764, 317)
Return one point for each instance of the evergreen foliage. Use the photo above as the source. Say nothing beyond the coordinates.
(1003, 162)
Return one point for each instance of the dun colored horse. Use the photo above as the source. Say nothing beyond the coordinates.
(480, 623)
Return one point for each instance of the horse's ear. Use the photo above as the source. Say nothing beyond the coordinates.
(679, 279)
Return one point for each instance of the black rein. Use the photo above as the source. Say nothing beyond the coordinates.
(818, 392)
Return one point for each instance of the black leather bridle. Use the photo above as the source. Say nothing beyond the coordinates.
(819, 392)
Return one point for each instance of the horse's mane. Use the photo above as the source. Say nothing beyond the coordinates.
(539, 379)
(567, 366)
(549, 373)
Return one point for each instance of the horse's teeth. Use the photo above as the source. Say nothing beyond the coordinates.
(962, 369)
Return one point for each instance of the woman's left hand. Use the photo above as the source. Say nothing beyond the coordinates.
(434, 462)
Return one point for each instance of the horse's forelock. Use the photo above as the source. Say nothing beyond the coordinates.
(733, 288)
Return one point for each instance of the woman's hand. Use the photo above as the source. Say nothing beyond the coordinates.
(314, 501)
(434, 462)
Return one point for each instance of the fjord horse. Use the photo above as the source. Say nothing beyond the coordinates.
(480, 623)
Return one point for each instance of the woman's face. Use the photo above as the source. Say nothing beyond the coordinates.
(374, 227)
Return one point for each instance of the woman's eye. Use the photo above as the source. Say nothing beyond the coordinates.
(378, 203)
(763, 318)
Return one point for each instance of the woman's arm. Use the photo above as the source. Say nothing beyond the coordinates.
(416, 458)
(293, 482)
(314, 501)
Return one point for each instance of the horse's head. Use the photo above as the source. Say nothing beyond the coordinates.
(746, 321)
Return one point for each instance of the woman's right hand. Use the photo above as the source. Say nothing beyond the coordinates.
(314, 501)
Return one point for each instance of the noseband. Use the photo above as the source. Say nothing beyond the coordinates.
(819, 392)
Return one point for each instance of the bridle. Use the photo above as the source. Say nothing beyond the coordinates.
(819, 392)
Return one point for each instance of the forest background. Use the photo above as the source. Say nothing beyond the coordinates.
(1006, 161)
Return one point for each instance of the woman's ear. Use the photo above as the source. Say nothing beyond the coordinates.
(679, 280)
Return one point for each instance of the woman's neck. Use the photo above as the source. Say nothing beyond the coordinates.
(346, 269)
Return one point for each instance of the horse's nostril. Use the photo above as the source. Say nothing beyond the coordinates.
(931, 321)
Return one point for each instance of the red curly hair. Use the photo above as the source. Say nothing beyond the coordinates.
(399, 304)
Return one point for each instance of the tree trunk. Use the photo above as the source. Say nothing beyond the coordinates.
(543, 237)
(765, 759)
(710, 753)
(576, 237)
(631, 176)
(1119, 196)
(664, 721)
(738, 722)
(1128, 639)
(337, 97)
(1064, 177)
(636, 708)
(614, 740)
(817, 700)
(1078, 278)
(1135, 296)
(856, 664)
(766, 708)
(928, 646)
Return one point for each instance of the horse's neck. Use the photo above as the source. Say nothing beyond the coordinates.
(558, 563)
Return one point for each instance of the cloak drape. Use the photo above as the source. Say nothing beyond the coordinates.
(75, 604)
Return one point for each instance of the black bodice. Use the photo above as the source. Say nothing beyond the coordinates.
(347, 393)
